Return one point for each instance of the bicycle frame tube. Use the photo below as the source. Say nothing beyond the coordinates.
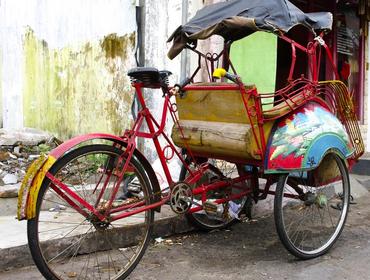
(155, 129)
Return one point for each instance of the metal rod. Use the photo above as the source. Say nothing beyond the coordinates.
(184, 54)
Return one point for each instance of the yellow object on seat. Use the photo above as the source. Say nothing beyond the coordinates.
(219, 73)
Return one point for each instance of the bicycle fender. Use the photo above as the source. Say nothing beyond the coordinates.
(303, 138)
(31, 184)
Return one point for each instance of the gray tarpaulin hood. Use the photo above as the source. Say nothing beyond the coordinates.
(236, 19)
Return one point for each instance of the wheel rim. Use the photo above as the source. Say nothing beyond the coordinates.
(313, 220)
(73, 246)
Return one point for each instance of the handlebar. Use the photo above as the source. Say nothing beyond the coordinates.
(177, 88)
(183, 83)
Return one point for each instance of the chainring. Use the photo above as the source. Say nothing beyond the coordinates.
(181, 198)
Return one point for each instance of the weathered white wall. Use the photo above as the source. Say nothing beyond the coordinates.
(162, 17)
(59, 23)
(367, 100)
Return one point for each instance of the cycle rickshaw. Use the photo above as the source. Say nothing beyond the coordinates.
(301, 140)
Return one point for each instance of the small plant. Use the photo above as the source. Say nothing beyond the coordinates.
(44, 148)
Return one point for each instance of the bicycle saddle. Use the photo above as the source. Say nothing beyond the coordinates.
(150, 77)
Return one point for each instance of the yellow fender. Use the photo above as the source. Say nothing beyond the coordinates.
(30, 187)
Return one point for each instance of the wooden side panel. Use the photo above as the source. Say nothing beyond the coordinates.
(218, 139)
(216, 106)
(215, 123)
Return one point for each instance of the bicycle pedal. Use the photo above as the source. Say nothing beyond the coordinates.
(210, 207)
(214, 209)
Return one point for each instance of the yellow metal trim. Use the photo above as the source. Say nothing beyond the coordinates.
(35, 187)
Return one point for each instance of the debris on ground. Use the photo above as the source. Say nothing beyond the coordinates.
(173, 241)
(159, 240)
(17, 152)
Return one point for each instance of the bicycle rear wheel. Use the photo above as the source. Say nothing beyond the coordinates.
(311, 207)
(67, 245)
(219, 170)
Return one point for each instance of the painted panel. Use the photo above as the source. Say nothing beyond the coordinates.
(254, 58)
(302, 139)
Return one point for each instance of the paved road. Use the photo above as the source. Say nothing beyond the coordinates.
(250, 251)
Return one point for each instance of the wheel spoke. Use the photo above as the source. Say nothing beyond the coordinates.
(73, 246)
(312, 232)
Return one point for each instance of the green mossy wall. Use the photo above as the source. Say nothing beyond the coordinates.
(78, 89)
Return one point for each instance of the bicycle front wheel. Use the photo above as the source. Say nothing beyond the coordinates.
(311, 207)
(67, 245)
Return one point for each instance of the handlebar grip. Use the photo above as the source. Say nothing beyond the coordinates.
(231, 77)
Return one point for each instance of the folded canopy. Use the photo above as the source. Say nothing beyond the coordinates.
(236, 19)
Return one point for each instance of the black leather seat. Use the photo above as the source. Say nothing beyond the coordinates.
(150, 77)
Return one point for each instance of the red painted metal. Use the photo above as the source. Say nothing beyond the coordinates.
(290, 41)
(69, 201)
(126, 156)
(68, 145)
(222, 87)
(75, 196)
(332, 64)
(139, 210)
(218, 185)
(292, 65)
(101, 193)
(127, 207)
(221, 200)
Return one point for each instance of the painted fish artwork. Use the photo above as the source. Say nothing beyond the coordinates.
(302, 139)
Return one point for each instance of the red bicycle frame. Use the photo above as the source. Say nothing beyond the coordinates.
(158, 129)
(155, 131)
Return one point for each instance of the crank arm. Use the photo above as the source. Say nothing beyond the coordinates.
(192, 202)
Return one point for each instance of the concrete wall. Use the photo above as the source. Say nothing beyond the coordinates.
(1, 82)
(162, 17)
(64, 64)
(366, 130)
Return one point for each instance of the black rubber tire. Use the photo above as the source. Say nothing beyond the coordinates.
(282, 228)
(32, 226)
(201, 225)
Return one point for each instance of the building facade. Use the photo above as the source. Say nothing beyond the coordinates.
(63, 64)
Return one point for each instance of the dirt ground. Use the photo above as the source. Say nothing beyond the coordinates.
(250, 251)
